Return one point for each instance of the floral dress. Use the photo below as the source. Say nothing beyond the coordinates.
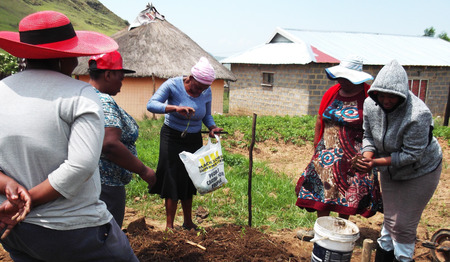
(329, 183)
(110, 173)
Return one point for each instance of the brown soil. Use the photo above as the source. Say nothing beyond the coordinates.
(228, 242)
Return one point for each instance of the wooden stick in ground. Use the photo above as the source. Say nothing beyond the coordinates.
(250, 171)
(195, 244)
(367, 250)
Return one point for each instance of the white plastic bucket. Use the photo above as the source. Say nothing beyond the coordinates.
(334, 239)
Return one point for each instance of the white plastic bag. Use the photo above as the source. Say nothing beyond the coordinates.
(205, 167)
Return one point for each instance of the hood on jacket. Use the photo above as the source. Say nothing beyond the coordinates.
(391, 79)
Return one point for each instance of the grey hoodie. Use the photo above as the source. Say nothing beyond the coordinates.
(404, 133)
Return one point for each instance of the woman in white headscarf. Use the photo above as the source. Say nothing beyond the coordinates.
(186, 103)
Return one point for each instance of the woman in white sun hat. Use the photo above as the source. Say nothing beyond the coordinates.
(329, 183)
(51, 140)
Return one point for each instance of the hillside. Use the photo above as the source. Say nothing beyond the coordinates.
(84, 14)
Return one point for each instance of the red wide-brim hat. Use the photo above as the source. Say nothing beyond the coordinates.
(49, 34)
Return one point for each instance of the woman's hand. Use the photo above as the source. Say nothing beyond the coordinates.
(18, 196)
(185, 111)
(214, 129)
(15, 208)
(362, 164)
(317, 128)
(148, 176)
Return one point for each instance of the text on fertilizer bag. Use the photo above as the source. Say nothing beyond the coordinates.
(209, 162)
(215, 178)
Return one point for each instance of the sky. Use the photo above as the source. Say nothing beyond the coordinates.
(225, 28)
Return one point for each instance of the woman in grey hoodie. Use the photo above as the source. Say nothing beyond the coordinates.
(398, 140)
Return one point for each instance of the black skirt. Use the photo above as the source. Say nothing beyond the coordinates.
(172, 180)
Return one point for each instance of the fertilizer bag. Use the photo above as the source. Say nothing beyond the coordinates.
(205, 167)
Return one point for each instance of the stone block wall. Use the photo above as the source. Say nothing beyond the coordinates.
(295, 91)
(298, 89)
(438, 86)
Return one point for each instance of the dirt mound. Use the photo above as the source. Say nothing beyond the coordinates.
(219, 243)
(228, 242)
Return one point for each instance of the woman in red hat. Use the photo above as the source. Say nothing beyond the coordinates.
(119, 155)
(51, 139)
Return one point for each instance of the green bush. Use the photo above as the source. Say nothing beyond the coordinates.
(441, 131)
(294, 129)
(8, 65)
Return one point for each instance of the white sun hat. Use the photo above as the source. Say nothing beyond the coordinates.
(350, 68)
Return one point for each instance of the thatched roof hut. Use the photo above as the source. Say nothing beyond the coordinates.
(157, 51)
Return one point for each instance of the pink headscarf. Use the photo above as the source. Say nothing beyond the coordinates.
(203, 72)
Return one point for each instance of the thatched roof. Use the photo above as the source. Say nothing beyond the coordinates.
(159, 49)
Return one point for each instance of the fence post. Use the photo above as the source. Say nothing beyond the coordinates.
(250, 171)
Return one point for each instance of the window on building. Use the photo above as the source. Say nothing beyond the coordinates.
(419, 88)
(267, 79)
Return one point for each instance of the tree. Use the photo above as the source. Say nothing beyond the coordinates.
(430, 32)
(444, 36)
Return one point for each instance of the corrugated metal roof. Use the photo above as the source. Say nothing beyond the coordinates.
(330, 47)
(275, 53)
